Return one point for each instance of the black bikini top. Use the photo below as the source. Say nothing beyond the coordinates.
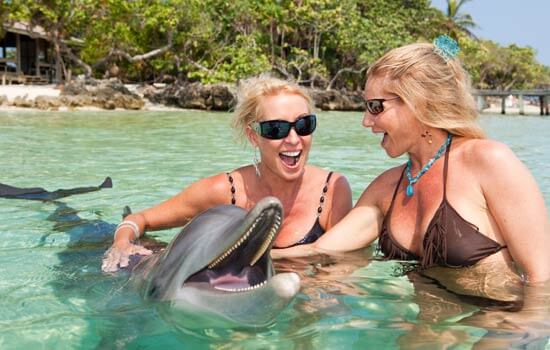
(450, 240)
(316, 230)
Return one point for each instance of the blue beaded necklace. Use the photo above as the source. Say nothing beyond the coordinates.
(413, 180)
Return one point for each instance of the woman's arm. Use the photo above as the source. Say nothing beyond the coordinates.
(174, 212)
(340, 203)
(355, 231)
(517, 206)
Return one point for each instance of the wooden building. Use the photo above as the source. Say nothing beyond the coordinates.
(25, 55)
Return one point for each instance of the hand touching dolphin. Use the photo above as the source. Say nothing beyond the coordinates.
(218, 272)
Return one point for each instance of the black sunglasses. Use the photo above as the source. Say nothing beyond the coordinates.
(376, 105)
(279, 129)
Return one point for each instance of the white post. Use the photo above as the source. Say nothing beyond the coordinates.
(521, 105)
(480, 103)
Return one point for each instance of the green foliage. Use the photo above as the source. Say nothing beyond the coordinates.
(239, 60)
(322, 43)
(495, 67)
(459, 21)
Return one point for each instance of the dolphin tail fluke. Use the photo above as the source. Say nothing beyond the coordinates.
(107, 183)
(38, 193)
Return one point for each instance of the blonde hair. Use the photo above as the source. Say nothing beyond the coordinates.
(251, 92)
(438, 91)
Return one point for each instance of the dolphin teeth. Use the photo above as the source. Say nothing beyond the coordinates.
(273, 230)
(267, 242)
(237, 244)
(244, 289)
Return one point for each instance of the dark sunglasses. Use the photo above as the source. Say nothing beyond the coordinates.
(279, 129)
(376, 105)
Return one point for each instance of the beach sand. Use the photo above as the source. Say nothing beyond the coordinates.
(30, 92)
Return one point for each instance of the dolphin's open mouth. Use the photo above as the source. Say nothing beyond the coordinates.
(245, 265)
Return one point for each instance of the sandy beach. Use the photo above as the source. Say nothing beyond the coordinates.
(8, 93)
(30, 91)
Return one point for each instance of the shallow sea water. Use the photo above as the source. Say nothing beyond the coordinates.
(53, 294)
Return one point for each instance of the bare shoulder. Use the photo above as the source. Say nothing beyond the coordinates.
(388, 178)
(335, 185)
(320, 174)
(214, 189)
(486, 155)
(382, 187)
(215, 182)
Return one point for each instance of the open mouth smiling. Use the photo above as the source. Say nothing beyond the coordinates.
(290, 158)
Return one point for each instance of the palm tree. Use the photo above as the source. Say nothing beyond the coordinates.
(458, 20)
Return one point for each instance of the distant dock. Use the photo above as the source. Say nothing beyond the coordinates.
(543, 96)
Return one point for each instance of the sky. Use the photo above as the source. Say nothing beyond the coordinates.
(521, 22)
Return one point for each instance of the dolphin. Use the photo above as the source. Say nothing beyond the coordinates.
(217, 272)
(38, 193)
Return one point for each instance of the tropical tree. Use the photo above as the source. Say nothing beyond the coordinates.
(4, 13)
(322, 43)
(459, 20)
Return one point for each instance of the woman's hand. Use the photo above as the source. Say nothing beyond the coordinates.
(118, 255)
(293, 252)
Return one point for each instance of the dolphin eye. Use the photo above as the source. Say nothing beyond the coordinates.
(153, 292)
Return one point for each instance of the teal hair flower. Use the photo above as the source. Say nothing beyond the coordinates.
(446, 47)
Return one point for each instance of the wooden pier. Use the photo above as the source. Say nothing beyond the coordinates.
(543, 96)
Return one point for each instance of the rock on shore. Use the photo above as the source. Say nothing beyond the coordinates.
(112, 94)
(106, 94)
(223, 96)
(218, 97)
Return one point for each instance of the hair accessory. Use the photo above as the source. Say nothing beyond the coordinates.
(446, 47)
(133, 226)
(413, 180)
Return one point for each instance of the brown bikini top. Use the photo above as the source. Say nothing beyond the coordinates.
(450, 240)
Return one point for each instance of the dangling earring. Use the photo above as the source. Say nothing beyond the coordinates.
(428, 136)
(256, 163)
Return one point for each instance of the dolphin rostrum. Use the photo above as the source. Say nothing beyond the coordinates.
(217, 272)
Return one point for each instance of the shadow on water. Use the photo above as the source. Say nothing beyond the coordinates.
(486, 306)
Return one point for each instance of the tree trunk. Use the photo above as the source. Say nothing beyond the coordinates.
(58, 61)
(137, 58)
(343, 70)
(272, 42)
(283, 56)
(316, 44)
(87, 68)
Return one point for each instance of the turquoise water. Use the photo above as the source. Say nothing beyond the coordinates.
(53, 294)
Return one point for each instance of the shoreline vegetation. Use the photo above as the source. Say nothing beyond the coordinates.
(191, 53)
(111, 94)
